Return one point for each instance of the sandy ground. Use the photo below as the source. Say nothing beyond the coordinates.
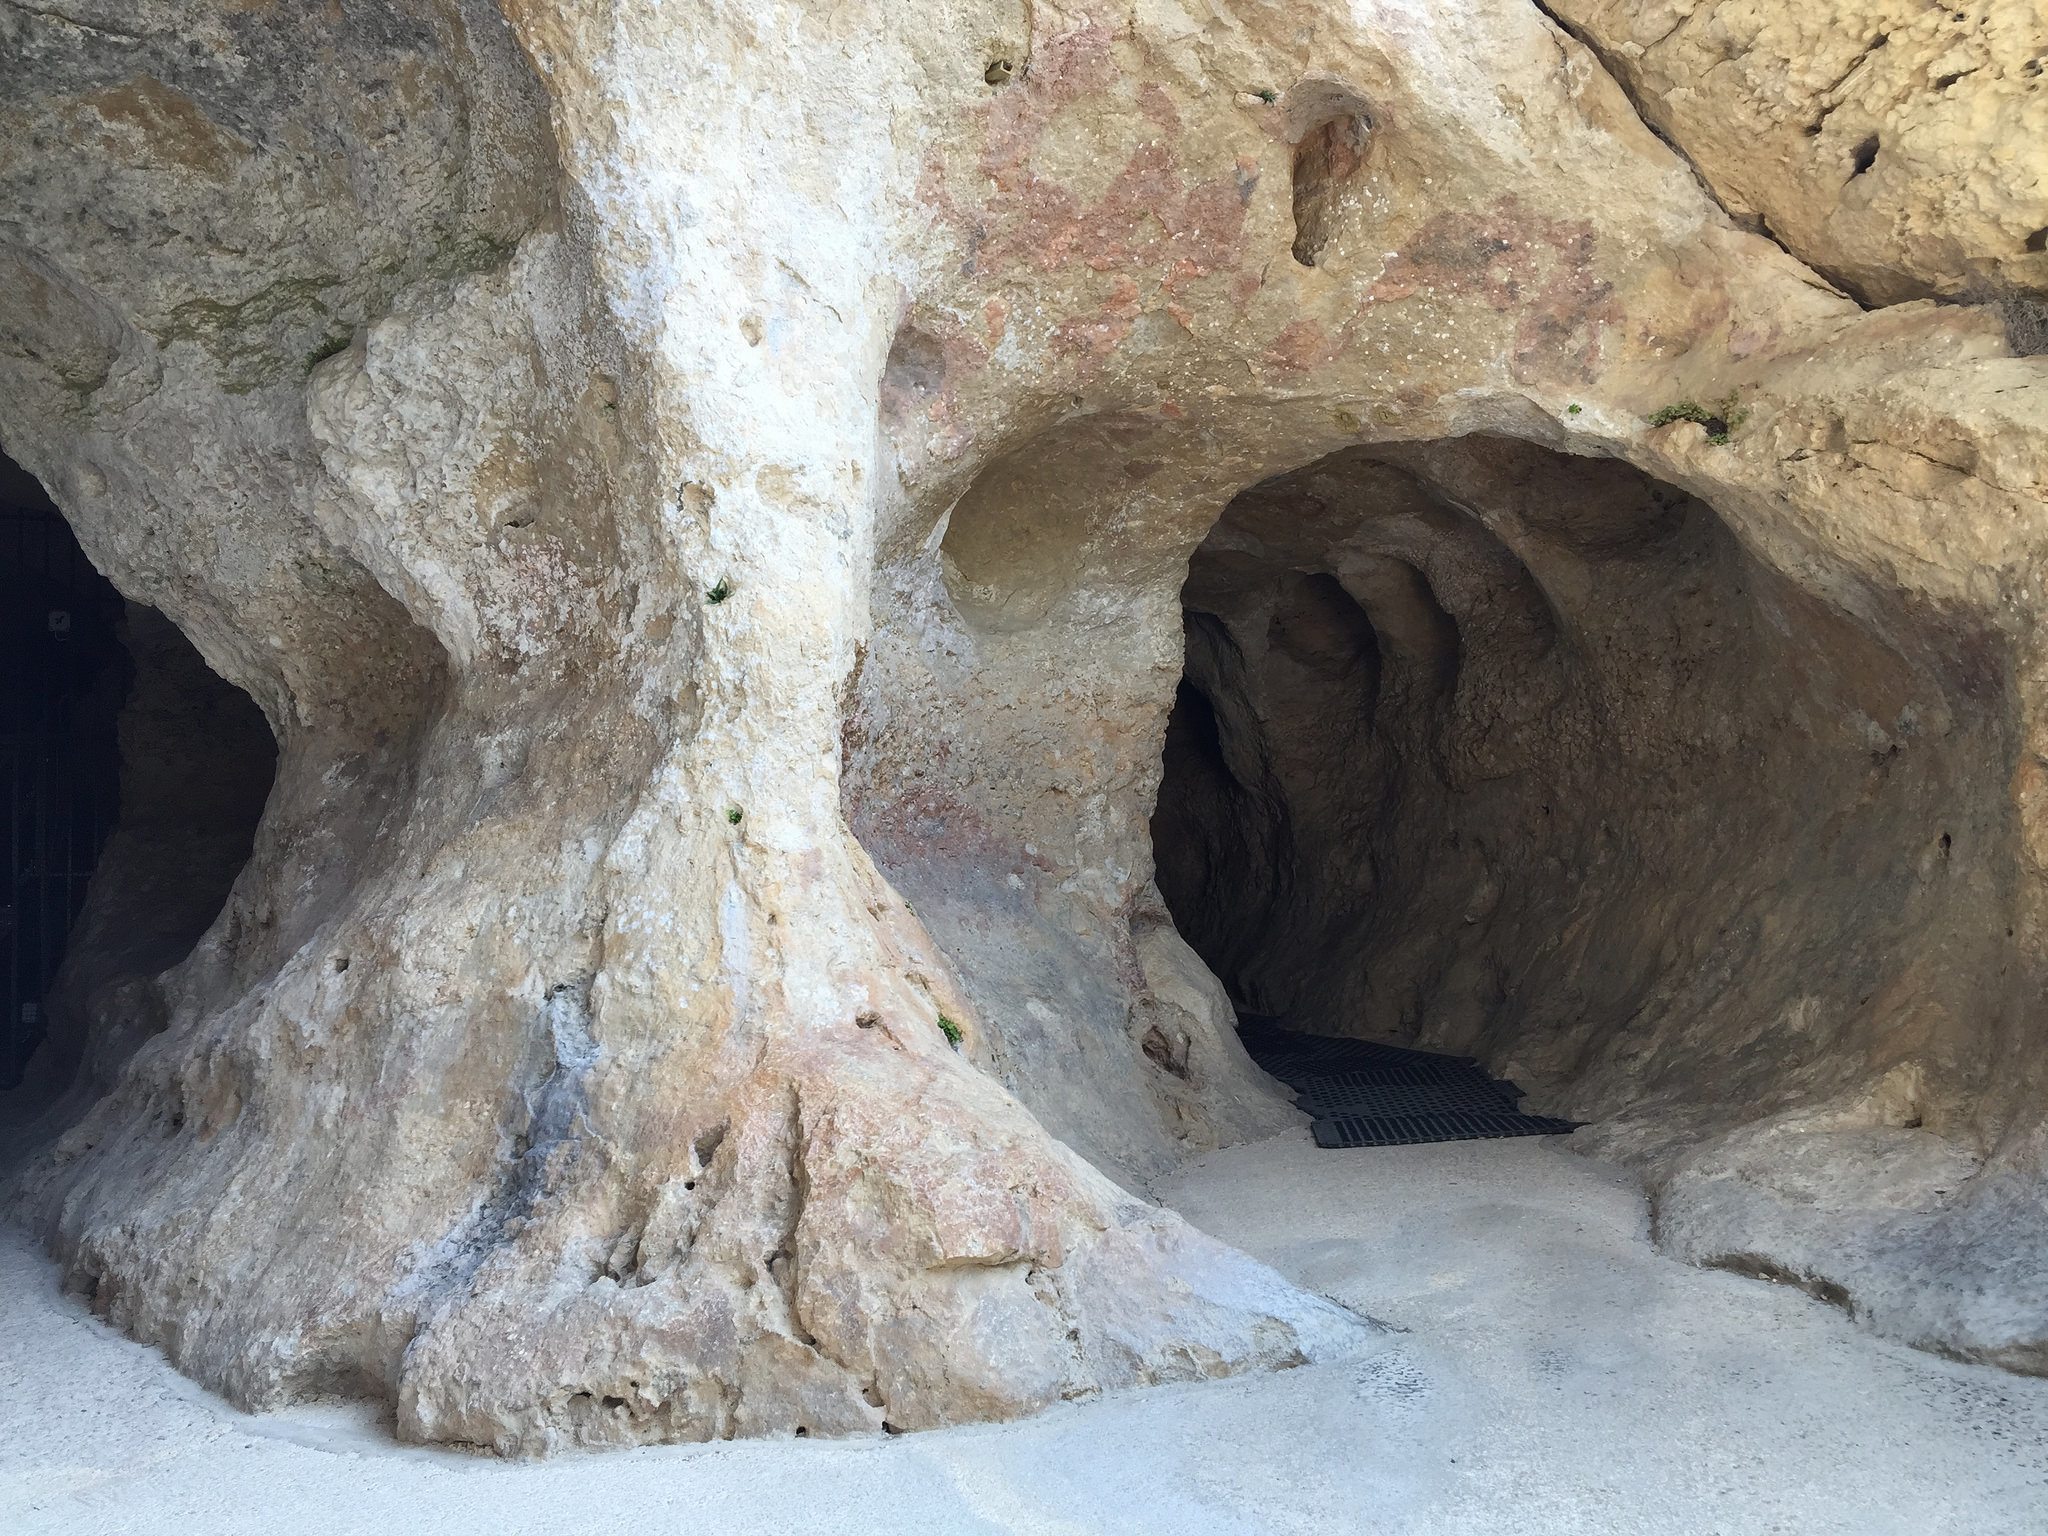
(1544, 1372)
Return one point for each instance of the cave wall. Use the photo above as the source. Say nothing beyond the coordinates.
(556, 998)
(1822, 579)
(704, 511)
(1900, 149)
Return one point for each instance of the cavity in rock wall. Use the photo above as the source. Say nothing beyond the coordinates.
(197, 759)
(1506, 752)
(135, 778)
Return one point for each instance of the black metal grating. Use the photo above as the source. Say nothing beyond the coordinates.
(1413, 1130)
(1393, 1075)
(1373, 1100)
(1367, 1094)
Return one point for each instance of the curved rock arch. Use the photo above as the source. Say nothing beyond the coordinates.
(599, 515)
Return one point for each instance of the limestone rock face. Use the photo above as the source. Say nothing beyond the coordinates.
(1901, 149)
(718, 509)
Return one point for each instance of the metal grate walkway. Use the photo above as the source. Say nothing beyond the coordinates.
(1364, 1094)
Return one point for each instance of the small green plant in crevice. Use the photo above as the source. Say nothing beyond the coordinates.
(335, 343)
(734, 815)
(1268, 95)
(1573, 410)
(1721, 418)
(719, 593)
(950, 1030)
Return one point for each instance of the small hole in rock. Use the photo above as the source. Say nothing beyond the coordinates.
(2037, 242)
(340, 964)
(1865, 156)
(867, 1018)
(802, 1433)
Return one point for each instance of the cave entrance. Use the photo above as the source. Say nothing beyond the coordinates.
(1493, 752)
(62, 675)
(134, 777)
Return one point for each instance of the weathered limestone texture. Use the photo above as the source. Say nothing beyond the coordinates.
(1900, 148)
(703, 497)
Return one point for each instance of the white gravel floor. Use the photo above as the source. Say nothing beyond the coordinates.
(1552, 1375)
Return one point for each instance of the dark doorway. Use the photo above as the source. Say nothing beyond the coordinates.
(63, 673)
(1488, 750)
(135, 778)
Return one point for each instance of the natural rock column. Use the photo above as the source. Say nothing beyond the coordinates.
(617, 1097)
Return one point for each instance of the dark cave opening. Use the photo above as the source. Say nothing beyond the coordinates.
(135, 778)
(1487, 749)
(63, 674)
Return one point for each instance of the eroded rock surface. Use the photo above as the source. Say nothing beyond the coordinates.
(1900, 148)
(708, 502)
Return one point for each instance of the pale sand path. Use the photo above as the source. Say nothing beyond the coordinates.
(1555, 1377)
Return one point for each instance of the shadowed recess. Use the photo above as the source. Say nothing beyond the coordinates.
(1487, 749)
(135, 778)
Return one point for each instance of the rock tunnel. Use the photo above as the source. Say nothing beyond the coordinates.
(61, 679)
(1494, 750)
(1489, 749)
(136, 777)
